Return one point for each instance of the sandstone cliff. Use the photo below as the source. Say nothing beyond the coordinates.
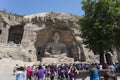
(23, 37)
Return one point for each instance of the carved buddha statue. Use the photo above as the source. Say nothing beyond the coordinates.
(56, 48)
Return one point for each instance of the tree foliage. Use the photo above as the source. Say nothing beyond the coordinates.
(100, 26)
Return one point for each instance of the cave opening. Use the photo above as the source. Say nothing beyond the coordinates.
(0, 31)
(16, 34)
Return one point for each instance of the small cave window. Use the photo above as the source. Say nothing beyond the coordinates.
(30, 51)
(0, 31)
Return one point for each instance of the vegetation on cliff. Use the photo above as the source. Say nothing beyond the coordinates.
(10, 13)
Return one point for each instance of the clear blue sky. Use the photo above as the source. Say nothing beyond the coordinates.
(26, 7)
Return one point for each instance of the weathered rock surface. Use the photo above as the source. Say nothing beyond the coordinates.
(22, 38)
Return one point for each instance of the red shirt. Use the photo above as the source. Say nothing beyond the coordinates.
(28, 71)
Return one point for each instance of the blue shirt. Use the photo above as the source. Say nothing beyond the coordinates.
(94, 75)
(20, 75)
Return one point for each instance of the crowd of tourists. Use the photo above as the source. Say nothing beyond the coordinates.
(59, 72)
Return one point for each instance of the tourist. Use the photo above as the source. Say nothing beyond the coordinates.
(72, 72)
(117, 70)
(28, 73)
(110, 75)
(105, 66)
(66, 71)
(20, 74)
(33, 71)
(40, 73)
(59, 71)
(79, 66)
(94, 73)
(47, 73)
(86, 66)
(52, 72)
(62, 71)
(15, 69)
(100, 66)
(97, 66)
(119, 67)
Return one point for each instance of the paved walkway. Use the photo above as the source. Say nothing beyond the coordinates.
(6, 76)
(10, 76)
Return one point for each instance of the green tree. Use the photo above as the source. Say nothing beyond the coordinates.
(100, 26)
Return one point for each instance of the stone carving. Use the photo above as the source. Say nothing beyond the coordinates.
(76, 51)
(35, 33)
(56, 48)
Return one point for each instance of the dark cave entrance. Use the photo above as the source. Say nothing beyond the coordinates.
(0, 31)
(16, 34)
(109, 59)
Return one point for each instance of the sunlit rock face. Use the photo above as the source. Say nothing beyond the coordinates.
(42, 36)
(65, 25)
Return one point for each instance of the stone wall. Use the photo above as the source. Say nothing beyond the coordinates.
(6, 21)
(15, 34)
(4, 34)
(36, 32)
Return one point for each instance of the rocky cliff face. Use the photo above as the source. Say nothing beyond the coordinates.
(24, 37)
(10, 19)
